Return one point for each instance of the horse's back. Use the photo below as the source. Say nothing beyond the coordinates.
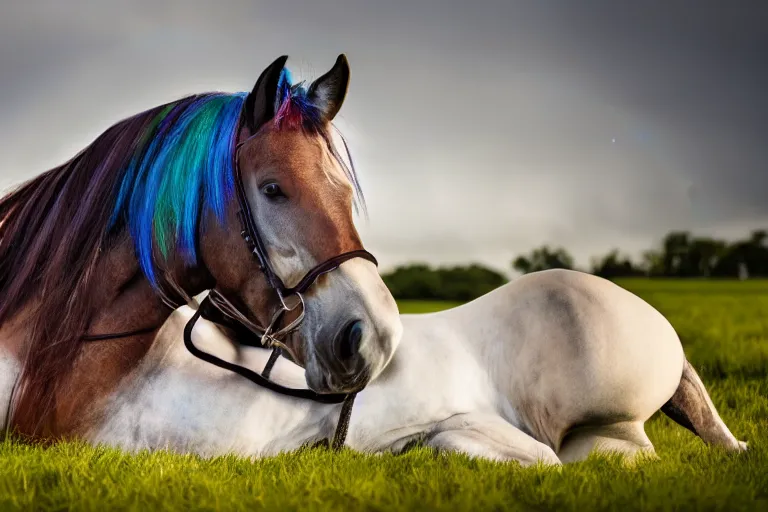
(577, 349)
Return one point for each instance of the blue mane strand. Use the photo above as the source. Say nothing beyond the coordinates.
(181, 169)
(183, 162)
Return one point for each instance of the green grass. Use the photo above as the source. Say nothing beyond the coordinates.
(725, 332)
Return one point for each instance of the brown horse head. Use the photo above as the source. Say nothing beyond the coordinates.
(147, 216)
(301, 195)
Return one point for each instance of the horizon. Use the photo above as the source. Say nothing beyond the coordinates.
(636, 261)
(501, 127)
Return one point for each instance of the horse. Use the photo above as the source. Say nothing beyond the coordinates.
(246, 194)
(546, 369)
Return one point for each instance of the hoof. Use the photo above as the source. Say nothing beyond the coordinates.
(548, 458)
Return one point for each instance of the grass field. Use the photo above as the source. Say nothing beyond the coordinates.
(724, 328)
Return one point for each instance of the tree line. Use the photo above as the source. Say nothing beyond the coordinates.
(679, 254)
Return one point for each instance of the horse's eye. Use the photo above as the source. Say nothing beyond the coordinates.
(272, 190)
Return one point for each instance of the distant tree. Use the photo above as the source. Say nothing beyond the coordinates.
(415, 281)
(675, 251)
(678, 255)
(684, 256)
(458, 283)
(543, 258)
(751, 254)
(758, 237)
(703, 255)
(468, 283)
(653, 263)
(615, 265)
(733, 262)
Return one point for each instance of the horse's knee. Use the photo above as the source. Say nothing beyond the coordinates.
(548, 457)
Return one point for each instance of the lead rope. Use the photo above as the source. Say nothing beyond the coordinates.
(256, 378)
(273, 357)
(340, 436)
(342, 427)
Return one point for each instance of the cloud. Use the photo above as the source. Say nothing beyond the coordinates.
(480, 130)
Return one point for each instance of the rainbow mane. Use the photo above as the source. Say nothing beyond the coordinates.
(182, 168)
(184, 157)
(155, 175)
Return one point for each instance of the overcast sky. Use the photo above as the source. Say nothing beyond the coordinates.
(480, 129)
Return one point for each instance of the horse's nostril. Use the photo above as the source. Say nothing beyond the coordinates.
(349, 342)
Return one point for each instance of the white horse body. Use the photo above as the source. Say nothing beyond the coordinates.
(533, 359)
(545, 368)
(175, 401)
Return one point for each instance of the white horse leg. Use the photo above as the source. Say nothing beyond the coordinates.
(626, 438)
(490, 437)
(9, 372)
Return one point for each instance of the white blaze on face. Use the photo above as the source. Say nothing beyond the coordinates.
(287, 256)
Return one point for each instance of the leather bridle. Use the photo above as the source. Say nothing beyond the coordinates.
(270, 336)
(252, 237)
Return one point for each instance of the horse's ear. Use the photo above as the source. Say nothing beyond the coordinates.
(260, 103)
(327, 92)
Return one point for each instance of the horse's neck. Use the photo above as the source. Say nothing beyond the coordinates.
(125, 302)
(178, 401)
(9, 372)
(13, 333)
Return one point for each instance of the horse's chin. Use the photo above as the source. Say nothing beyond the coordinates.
(323, 382)
(326, 372)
